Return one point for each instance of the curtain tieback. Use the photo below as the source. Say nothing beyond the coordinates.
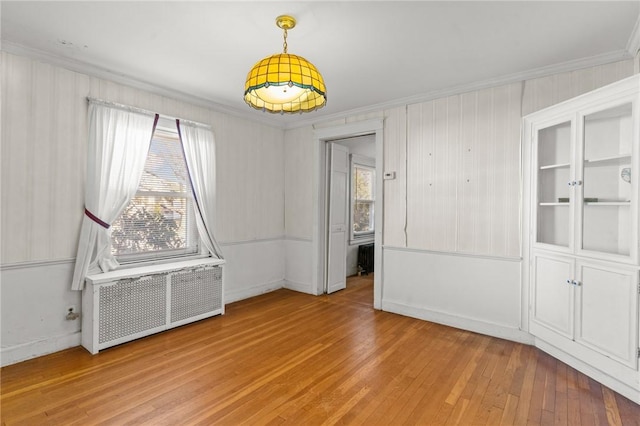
(96, 219)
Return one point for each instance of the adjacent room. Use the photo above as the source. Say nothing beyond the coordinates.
(320, 212)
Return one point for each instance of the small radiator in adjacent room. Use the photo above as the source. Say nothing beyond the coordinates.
(124, 305)
(366, 258)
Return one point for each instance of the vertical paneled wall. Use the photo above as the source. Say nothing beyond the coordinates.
(546, 91)
(462, 173)
(44, 125)
(394, 191)
(43, 159)
(299, 177)
(457, 163)
(250, 180)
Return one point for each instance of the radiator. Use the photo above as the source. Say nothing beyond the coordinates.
(124, 305)
(366, 258)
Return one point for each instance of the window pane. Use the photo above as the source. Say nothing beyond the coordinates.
(363, 216)
(151, 223)
(364, 183)
(165, 169)
(159, 220)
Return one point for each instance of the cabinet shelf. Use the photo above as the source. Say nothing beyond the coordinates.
(554, 166)
(621, 159)
(607, 203)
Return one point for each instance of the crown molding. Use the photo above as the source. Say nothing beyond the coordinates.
(633, 45)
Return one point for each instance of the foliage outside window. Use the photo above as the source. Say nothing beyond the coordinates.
(363, 190)
(159, 221)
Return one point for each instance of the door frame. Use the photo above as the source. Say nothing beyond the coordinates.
(319, 239)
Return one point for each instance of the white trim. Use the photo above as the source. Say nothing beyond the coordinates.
(305, 239)
(370, 238)
(452, 253)
(633, 45)
(139, 271)
(18, 353)
(122, 107)
(39, 263)
(231, 296)
(363, 161)
(343, 131)
(35, 263)
(257, 240)
(459, 321)
(299, 287)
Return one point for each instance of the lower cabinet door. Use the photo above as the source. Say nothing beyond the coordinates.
(552, 295)
(607, 311)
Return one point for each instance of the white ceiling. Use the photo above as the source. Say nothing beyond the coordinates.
(370, 53)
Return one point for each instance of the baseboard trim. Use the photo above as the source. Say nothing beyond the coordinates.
(245, 293)
(610, 382)
(25, 351)
(471, 324)
(299, 287)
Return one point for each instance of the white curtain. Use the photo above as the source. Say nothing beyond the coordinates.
(119, 139)
(199, 151)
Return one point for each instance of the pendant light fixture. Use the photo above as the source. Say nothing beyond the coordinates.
(285, 83)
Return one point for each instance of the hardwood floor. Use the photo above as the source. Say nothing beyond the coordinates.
(290, 358)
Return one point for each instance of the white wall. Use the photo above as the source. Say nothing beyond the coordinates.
(298, 204)
(451, 236)
(44, 111)
(470, 292)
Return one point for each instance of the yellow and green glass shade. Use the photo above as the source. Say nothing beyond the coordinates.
(285, 83)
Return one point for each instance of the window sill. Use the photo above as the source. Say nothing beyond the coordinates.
(361, 241)
(141, 261)
(138, 270)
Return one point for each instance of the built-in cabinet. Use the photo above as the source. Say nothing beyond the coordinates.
(582, 223)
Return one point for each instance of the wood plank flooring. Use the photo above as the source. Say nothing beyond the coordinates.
(294, 359)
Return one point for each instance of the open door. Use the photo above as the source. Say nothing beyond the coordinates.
(338, 218)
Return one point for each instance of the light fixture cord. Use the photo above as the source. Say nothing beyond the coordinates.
(285, 40)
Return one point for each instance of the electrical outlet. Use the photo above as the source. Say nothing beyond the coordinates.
(72, 314)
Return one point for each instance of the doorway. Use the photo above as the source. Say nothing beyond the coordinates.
(351, 183)
(322, 266)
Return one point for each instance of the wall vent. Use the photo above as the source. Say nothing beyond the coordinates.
(192, 293)
(121, 306)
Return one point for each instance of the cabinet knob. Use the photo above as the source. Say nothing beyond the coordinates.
(578, 183)
(576, 283)
(568, 281)
(570, 183)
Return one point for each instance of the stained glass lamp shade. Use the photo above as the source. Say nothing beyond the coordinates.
(285, 83)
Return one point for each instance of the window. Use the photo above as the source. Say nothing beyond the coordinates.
(363, 177)
(159, 222)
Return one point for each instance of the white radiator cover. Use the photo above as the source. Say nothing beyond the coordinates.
(127, 304)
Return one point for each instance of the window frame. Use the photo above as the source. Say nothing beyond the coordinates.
(362, 162)
(167, 126)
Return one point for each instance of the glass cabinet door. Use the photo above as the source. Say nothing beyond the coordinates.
(606, 181)
(553, 145)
